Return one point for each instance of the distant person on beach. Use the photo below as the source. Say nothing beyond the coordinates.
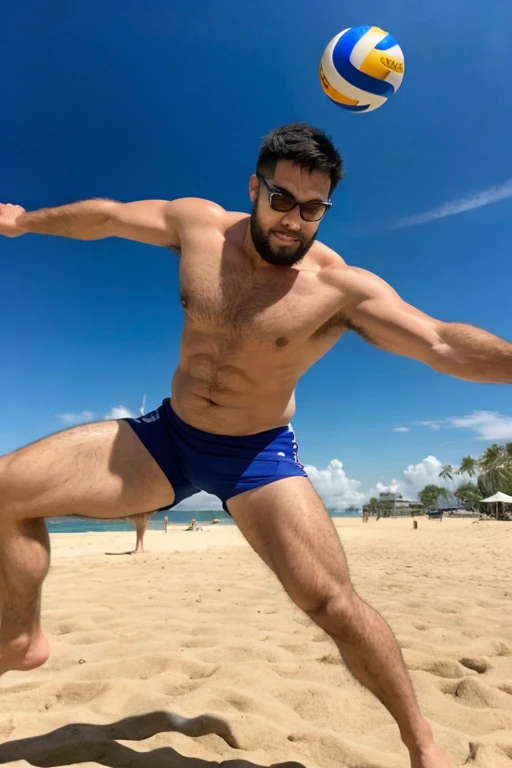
(191, 525)
(166, 523)
(263, 300)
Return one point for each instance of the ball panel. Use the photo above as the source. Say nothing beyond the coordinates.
(395, 79)
(365, 45)
(332, 93)
(340, 84)
(388, 42)
(353, 76)
(375, 103)
(373, 66)
(359, 108)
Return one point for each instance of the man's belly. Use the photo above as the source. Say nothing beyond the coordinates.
(225, 410)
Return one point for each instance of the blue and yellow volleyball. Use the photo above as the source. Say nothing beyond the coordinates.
(361, 68)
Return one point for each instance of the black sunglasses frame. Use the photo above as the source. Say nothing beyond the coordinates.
(326, 204)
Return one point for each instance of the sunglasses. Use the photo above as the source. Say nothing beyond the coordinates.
(279, 201)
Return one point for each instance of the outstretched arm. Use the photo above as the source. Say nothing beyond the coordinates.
(375, 311)
(156, 222)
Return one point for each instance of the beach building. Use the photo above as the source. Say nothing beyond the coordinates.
(394, 505)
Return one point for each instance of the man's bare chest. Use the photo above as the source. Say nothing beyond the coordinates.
(279, 307)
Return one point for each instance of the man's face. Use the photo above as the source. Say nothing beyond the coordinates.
(283, 239)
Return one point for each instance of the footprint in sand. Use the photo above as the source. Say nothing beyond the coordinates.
(471, 692)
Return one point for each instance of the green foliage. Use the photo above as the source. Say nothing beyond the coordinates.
(468, 494)
(493, 473)
(430, 496)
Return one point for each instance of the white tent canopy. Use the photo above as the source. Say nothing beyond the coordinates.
(498, 497)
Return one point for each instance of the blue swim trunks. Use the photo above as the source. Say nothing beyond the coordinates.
(226, 466)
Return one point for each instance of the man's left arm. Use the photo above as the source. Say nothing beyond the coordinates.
(374, 310)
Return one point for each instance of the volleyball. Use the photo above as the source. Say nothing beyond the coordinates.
(361, 68)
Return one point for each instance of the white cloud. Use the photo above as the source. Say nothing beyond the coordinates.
(474, 200)
(334, 487)
(431, 424)
(400, 429)
(488, 425)
(425, 472)
(417, 476)
(201, 500)
(119, 412)
(76, 418)
(393, 487)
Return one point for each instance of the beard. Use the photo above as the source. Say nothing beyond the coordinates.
(278, 255)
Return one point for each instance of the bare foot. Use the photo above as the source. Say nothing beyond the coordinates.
(431, 757)
(24, 653)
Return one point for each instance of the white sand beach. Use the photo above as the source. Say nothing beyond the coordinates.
(197, 649)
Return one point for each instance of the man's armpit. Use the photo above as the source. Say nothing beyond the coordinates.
(351, 326)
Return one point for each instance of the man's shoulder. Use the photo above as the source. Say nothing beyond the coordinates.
(333, 269)
(193, 209)
(345, 277)
(329, 264)
(197, 211)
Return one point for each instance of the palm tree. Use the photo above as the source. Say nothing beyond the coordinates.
(446, 472)
(468, 466)
(468, 493)
(495, 466)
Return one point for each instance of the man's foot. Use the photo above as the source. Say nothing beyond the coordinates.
(24, 653)
(431, 757)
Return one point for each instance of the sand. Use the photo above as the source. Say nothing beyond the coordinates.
(191, 656)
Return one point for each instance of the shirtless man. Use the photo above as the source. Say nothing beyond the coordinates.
(263, 301)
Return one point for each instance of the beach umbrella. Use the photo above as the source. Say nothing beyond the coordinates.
(496, 498)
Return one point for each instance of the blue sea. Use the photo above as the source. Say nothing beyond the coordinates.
(156, 522)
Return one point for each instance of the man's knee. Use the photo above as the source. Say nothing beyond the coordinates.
(335, 610)
(10, 490)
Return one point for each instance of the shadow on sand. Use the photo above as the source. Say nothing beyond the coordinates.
(116, 554)
(80, 743)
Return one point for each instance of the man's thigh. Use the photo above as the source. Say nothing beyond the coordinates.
(288, 526)
(94, 470)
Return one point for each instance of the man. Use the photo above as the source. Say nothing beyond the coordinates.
(263, 301)
(140, 522)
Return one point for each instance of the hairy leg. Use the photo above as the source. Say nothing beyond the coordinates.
(287, 525)
(96, 470)
(141, 524)
(24, 562)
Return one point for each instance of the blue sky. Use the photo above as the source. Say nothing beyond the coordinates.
(162, 100)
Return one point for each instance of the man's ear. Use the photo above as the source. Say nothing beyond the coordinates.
(253, 187)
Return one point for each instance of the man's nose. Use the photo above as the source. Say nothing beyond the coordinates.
(292, 220)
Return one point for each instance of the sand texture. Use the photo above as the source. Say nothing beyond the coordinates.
(192, 656)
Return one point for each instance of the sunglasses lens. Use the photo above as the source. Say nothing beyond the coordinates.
(313, 212)
(281, 203)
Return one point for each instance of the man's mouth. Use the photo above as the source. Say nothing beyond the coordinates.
(287, 239)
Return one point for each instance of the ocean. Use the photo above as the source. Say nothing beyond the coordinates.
(156, 522)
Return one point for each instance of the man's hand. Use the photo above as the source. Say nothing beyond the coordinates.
(9, 215)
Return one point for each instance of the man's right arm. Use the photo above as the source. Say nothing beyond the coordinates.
(157, 222)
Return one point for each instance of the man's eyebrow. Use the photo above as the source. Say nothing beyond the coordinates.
(289, 194)
(282, 191)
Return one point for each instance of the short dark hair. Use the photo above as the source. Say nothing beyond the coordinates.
(304, 146)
